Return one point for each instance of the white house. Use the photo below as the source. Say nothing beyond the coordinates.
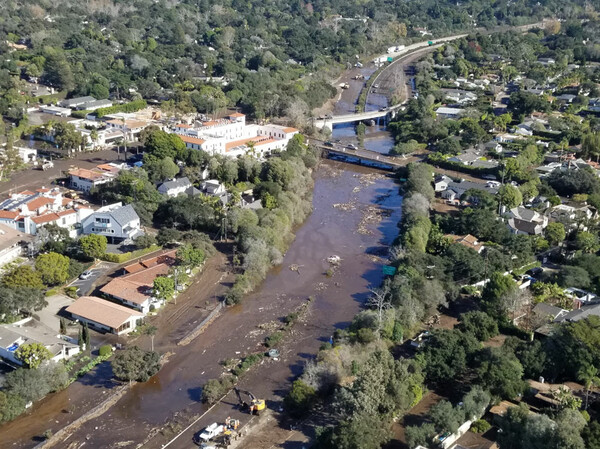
(115, 221)
(104, 315)
(441, 183)
(27, 331)
(450, 113)
(131, 128)
(177, 187)
(11, 243)
(84, 179)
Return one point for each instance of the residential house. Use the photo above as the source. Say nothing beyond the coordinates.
(136, 289)
(459, 96)
(213, 187)
(455, 189)
(466, 158)
(131, 128)
(526, 221)
(548, 312)
(566, 98)
(169, 258)
(12, 243)
(580, 313)
(115, 221)
(76, 102)
(28, 331)
(104, 315)
(177, 187)
(441, 183)
(56, 110)
(449, 113)
(95, 104)
(469, 241)
(573, 217)
(85, 180)
(249, 201)
(547, 61)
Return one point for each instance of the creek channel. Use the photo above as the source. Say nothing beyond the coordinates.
(355, 216)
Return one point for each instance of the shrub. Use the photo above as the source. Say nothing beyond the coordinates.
(247, 363)
(71, 292)
(365, 335)
(124, 257)
(291, 318)
(105, 351)
(273, 339)
(215, 389)
(300, 398)
(480, 426)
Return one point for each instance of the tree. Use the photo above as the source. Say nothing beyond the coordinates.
(145, 241)
(150, 330)
(190, 256)
(85, 334)
(591, 435)
(33, 354)
(480, 324)
(419, 435)
(23, 276)
(555, 233)
(500, 372)
(164, 287)
(53, 268)
(587, 242)
(445, 417)
(588, 375)
(447, 354)
(160, 169)
(93, 245)
(510, 196)
(476, 402)
(380, 301)
(572, 276)
(300, 398)
(135, 364)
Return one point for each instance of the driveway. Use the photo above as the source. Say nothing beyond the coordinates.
(48, 315)
(85, 286)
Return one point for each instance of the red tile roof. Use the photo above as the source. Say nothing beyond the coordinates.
(84, 173)
(135, 287)
(39, 202)
(101, 311)
(9, 214)
(190, 139)
(166, 258)
(237, 114)
(46, 218)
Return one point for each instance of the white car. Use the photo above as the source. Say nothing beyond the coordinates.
(86, 274)
(211, 431)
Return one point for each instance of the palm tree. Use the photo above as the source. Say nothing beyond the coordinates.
(589, 376)
(150, 330)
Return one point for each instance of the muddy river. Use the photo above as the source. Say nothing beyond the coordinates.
(355, 217)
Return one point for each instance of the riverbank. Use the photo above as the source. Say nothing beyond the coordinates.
(175, 390)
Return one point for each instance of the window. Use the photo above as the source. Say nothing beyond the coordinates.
(102, 220)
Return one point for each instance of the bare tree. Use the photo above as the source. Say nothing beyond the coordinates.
(380, 301)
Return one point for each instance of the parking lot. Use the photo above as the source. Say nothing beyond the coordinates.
(84, 286)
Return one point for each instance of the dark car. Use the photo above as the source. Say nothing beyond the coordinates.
(536, 271)
(328, 144)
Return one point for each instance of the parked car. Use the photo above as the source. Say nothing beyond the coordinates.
(351, 146)
(328, 144)
(536, 271)
(86, 274)
(214, 430)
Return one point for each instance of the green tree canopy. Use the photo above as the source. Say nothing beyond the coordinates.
(33, 354)
(93, 245)
(53, 268)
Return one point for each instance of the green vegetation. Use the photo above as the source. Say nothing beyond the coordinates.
(135, 364)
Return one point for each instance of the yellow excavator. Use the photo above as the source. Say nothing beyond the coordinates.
(255, 406)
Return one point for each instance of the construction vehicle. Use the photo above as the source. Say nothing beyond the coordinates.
(255, 406)
(47, 164)
(212, 431)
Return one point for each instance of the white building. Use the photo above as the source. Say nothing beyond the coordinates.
(75, 102)
(84, 179)
(115, 221)
(55, 110)
(178, 186)
(232, 137)
(449, 113)
(131, 128)
(27, 331)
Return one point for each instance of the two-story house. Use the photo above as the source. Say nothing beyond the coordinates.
(115, 221)
(176, 187)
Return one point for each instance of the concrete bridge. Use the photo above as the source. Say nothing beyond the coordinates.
(361, 156)
(356, 117)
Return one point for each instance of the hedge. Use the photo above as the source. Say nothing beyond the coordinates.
(125, 257)
(132, 106)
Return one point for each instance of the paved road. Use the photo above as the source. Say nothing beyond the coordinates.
(85, 286)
